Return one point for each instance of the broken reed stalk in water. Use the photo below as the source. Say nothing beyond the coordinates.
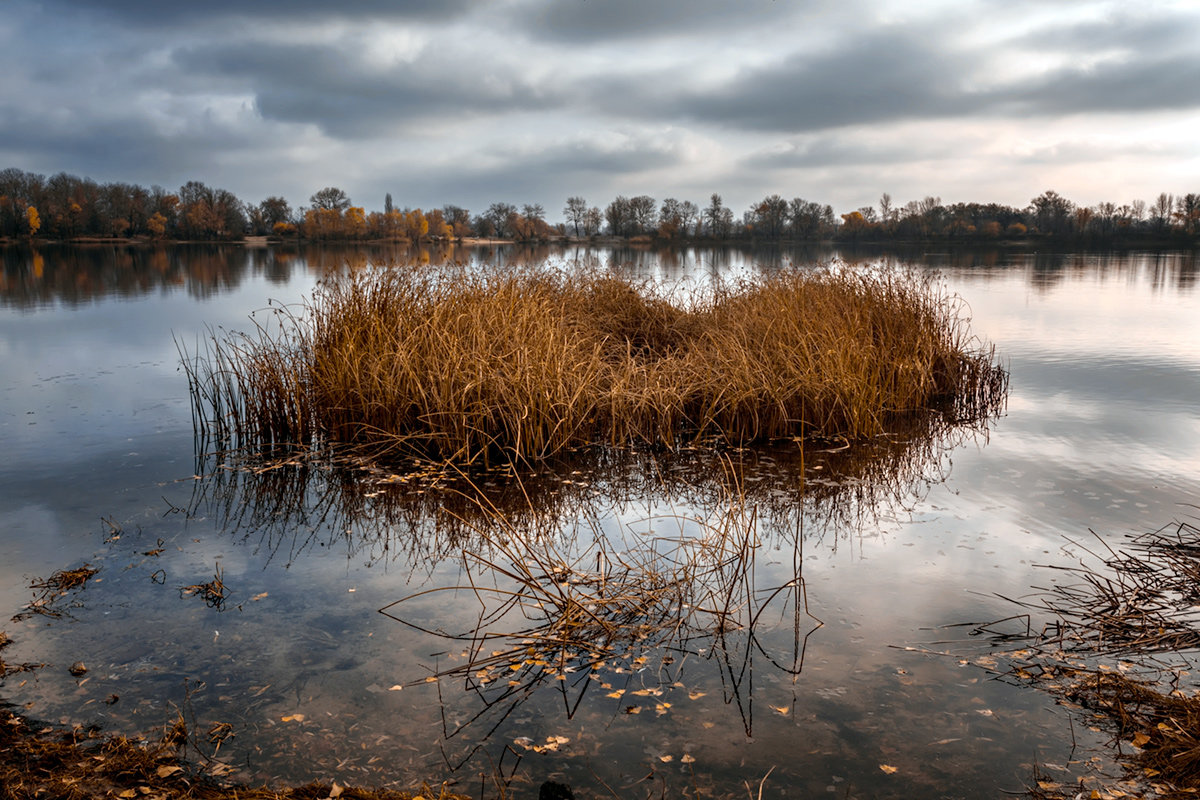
(551, 613)
(460, 362)
(1145, 600)
(1141, 603)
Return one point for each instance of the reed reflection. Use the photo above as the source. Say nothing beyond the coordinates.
(683, 568)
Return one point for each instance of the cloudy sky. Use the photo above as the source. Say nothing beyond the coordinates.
(530, 101)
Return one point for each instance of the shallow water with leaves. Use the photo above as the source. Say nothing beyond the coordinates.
(789, 616)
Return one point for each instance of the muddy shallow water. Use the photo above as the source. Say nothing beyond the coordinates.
(835, 690)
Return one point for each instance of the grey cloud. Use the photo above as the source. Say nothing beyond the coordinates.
(871, 79)
(584, 157)
(155, 13)
(603, 20)
(1144, 84)
(547, 176)
(130, 149)
(891, 78)
(329, 87)
(828, 150)
(1123, 31)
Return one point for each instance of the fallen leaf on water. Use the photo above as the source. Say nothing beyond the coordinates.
(395, 687)
(888, 768)
(431, 679)
(258, 596)
(696, 694)
(1141, 739)
(552, 744)
(687, 758)
(633, 709)
(666, 759)
(1048, 785)
(616, 693)
(293, 718)
(986, 712)
(780, 709)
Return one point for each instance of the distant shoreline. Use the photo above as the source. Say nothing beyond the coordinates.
(1025, 243)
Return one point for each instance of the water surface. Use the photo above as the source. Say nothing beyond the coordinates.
(887, 544)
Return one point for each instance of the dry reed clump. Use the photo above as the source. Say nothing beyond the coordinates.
(460, 363)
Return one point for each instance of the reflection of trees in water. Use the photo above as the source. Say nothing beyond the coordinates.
(78, 274)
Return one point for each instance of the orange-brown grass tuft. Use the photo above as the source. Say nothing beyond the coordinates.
(461, 362)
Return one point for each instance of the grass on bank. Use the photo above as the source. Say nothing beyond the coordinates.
(461, 362)
(81, 763)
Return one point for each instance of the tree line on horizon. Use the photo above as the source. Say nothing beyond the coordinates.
(66, 207)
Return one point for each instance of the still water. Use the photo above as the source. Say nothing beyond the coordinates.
(849, 683)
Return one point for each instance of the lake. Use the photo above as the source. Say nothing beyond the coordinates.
(856, 679)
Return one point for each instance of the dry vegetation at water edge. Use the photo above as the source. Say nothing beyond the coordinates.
(461, 362)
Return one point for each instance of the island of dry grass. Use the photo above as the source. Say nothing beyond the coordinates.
(463, 362)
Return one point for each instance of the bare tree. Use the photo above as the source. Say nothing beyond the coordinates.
(330, 198)
(575, 211)
(885, 208)
(1160, 212)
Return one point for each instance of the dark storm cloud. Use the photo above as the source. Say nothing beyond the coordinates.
(331, 87)
(154, 13)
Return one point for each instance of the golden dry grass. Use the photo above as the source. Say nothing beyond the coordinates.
(462, 362)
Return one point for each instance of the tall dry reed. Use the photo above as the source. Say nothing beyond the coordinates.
(462, 362)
